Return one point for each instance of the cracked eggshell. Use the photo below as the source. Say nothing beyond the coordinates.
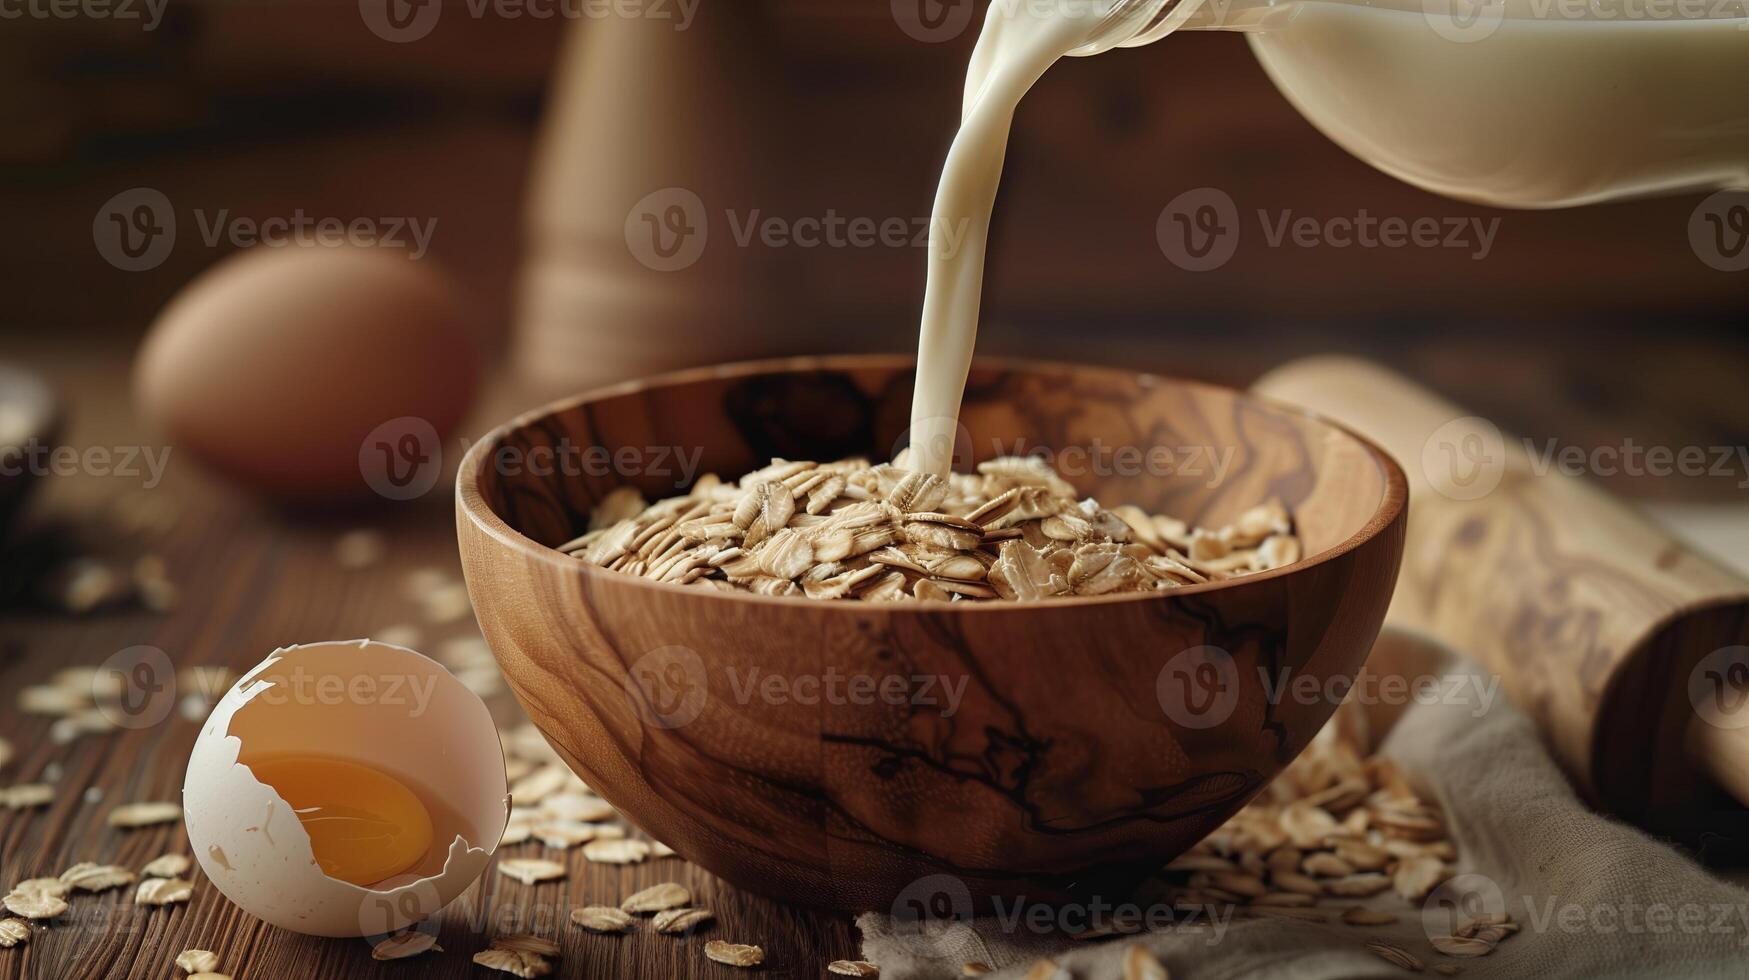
(377, 705)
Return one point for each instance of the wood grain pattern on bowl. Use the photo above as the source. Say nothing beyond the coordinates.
(1078, 752)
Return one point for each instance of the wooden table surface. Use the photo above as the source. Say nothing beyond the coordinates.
(252, 580)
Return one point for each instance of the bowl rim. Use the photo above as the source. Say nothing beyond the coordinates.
(471, 503)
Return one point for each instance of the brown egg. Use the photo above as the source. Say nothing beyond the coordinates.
(312, 372)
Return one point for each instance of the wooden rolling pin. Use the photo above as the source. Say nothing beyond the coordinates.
(1595, 619)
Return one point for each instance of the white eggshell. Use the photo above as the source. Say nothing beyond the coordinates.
(378, 705)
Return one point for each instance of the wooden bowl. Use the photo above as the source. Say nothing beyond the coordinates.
(1091, 739)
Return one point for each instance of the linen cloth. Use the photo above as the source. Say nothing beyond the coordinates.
(1593, 897)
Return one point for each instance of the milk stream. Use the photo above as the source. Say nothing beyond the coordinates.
(1019, 42)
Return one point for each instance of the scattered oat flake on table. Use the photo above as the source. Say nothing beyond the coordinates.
(163, 891)
(517, 964)
(360, 548)
(563, 834)
(531, 870)
(733, 954)
(13, 932)
(1460, 947)
(209, 976)
(447, 604)
(536, 787)
(26, 796)
(1046, 970)
(1395, 955)
(679, 922)
(657, 898)
(616, 851)
(34, 905)
(51, 699)
(974, 969)
(661, 850)
(70, 728)
(405, 945)
(601, 918)
(90, 877)
(132, 815)
(578, 806)
(524, 943)
(1140, 964)
(166, 866)
(400, 635)
(197, 960)
(853, 968)
(43, 886)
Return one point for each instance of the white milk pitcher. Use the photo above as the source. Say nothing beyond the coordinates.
(1514, 103)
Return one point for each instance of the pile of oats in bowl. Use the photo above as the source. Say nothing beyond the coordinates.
(1014, 530)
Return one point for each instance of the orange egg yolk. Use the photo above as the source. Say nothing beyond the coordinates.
(364, 825)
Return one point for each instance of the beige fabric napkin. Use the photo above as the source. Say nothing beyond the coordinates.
(1593, 897)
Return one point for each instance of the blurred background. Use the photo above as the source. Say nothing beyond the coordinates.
(518, 133)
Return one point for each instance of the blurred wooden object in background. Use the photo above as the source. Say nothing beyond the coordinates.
(651, 134)
(258, 110)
